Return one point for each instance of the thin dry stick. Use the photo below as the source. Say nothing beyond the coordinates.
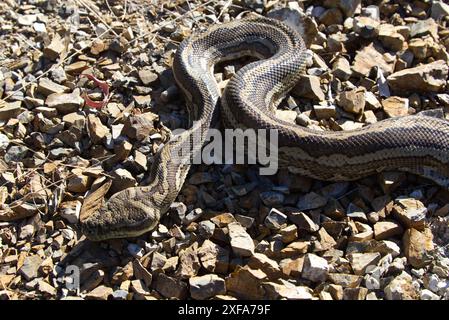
(125, 10)
(191, 13)
(21, 37)
(227, 4)
(97, 15)
(34, 170)
(157, 28)
(109, 7)
(5, 288)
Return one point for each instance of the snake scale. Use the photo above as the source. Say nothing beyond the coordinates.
(418, 144)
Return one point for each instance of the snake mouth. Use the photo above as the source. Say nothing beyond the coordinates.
(113, 220)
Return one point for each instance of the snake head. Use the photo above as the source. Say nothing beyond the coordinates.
(124, 215)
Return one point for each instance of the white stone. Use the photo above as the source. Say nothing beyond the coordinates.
(372, 283)
(4, 141)
(315, 268)
(241, 242)
(428, 295)
(395, 250)
(70, 211)
(39, 27)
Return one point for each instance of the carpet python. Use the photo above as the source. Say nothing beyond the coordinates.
(417, 144)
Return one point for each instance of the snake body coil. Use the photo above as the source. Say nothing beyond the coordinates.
(417, 144)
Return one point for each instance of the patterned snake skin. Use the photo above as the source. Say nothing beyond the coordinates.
(417, 144)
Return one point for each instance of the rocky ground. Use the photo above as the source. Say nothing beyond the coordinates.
(232, 234)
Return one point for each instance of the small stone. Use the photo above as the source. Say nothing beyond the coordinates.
(387, 229)
(10, 110)
(267, 265)
(336, 291)
(342, 69)
(16, 154)
(325, 112)
(369, 117)
(76, 67)
(349, 7)
(98, 46)
(207, 286)
(366, 27)
(189, 263)
(245, 283)
(311, 201)
(326, 241)
(390, 38)
(140, 126)
(401, 288)
(123, 179)
(26, 231)
(70, 211)
(245, 221)
(428, 295)
(147, 76)
(122, 150)
(302, 221)
(422, 48)
(309, 87)
(345, 280)
(206, 229)
(99, 293)
(48, 87)
(78, 183)
(143, 100)
(46, 288)
(120, 294)
(361, 261)
(353, 100)
(26, 19)
(54, 50)
(355, 293)
(241, 242)
(272, 198)
(438, 11)
(369, 57)
(424, 27)
(395, 106)
(58, 74)
(97, 131)
(192, 216)
(213, 257)
(371, 102)
(170, 287)
(417, 247)
(315, 268)
(275, 219)
(303, 120)
(385, 247)
(75, 119)
(410, 212)
(65, 102)
(141, 273)
(331, 16)
(30, 267)
(222, 220)
(286, 291)
(426, 77)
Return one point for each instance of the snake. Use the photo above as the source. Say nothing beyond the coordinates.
(417, 144)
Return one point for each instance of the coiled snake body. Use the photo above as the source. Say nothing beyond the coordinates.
(417, 144)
